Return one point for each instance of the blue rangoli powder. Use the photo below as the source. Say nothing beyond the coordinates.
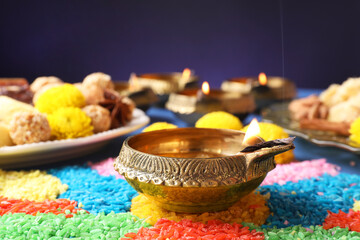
(95, 192)
(307, 201)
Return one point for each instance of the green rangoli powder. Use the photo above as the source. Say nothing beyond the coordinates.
(300, 233)
(80, 226)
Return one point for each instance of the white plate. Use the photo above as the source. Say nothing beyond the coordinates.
(58, 150)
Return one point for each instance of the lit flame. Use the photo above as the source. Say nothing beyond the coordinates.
(262, 79)
(186, 74)
(252, 131)
(205, 88)
(134, 82)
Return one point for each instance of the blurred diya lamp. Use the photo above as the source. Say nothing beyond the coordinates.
(266, 90)
(165, 83)
(191, 104)
(196, 170)
(143, 97)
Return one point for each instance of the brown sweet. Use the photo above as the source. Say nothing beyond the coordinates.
(13, 82)
(16, 88)
(308, 108)
(121, 108)
(341, 128)
(312, 113)
(99, 79)
(100, 117)
(93, 93)
(29, 127)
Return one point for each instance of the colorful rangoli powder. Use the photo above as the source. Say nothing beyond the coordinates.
(58, 227)
(105, 168)
(186, 229)
(252, 208)
(349, 220)
(296, 171)
(32, 185)
(31, 207)
(300, 203)
(96, 193)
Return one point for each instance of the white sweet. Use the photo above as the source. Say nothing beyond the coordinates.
(5, 139)
(10, 106)
(42, 81)
(336, 94)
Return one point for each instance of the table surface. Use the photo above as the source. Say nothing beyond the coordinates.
(304, 150)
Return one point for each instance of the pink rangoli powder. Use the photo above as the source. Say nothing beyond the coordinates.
(105, 168)
(300, 170)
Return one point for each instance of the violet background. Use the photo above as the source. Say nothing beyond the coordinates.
(217, 39)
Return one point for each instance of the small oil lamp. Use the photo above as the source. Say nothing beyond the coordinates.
(261, 85)
(143, 97)
(191, 104)
(185, 78)
(266, 90)
(166, 83)
(205, 90)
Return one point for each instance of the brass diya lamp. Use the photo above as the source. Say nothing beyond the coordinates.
(196, 170)
(266, 90)
(166, 83)
(191, 104)
(142, 96)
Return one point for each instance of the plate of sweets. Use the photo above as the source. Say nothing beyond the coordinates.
(51, 120)
(330, 119)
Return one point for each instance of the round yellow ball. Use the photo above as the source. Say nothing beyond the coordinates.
(219, 119)
(159, 126)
